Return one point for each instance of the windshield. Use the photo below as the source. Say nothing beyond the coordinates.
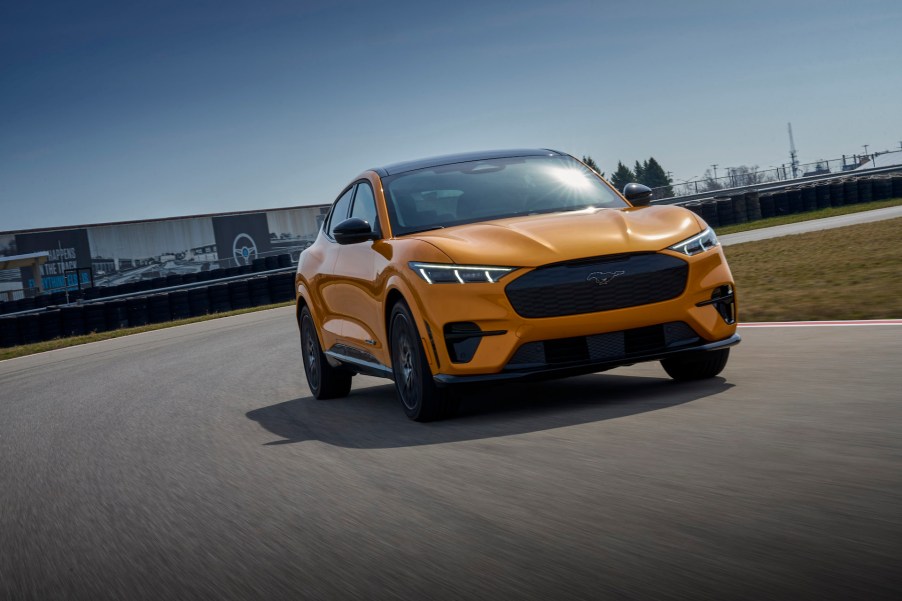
(473, 191)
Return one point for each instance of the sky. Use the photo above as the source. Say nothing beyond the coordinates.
(114, 111)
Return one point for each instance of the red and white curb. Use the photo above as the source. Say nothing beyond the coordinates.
(822, 324)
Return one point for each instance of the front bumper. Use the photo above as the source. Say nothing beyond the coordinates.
(580, 368)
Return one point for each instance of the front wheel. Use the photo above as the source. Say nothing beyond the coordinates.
(324, 380)
(422, 400)
(696, 366)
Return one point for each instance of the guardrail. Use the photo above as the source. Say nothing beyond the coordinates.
(143, 308)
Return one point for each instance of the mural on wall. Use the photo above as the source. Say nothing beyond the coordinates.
(119, 253)
(68, 250)
(241, 238)
(130, 252)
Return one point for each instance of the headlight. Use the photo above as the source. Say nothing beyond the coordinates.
(443, 273)
(698, 243)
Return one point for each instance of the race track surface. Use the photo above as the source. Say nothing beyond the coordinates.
(191, 463)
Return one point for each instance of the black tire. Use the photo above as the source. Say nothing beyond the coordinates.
(324, 381)
(696, 366)
(421, 399)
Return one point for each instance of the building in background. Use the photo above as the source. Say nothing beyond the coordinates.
(118, 253)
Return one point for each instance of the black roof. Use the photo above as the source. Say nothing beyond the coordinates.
(463, 157)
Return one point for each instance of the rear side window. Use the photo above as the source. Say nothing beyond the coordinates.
(340, 211)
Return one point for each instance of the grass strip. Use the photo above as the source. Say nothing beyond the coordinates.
(853, 272)
(58, 343)
(797, 217)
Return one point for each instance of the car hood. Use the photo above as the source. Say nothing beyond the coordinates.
(534, 240)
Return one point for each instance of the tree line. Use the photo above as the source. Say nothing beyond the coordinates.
(648, 173)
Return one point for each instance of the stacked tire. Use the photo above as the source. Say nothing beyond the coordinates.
(239, 294)
(259, 291)
(219, 298)
(281, 287)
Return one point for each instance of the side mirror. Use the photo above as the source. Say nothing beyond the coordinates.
(352, 231)
(637, 194)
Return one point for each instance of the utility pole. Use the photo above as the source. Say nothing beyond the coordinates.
(793, 155)
(715, 170)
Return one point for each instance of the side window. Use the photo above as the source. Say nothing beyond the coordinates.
(340, 211)
(365, 205)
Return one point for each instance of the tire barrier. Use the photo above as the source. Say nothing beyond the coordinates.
(724, 211)
(175, 279)
(822, 196)
(9, 332)
(271, 263)
(259, 264)
(116, 313)
(283, 260)
(865, 190)
(72, 320)
(258, 289)
(836, 194)
(158, 308)
(897, 186)
(29, 328)
(281, 287)
(781, 204)
(137, 311)
(752, 206)
(198, 301)
(709, 212)
(740, 214)
(850, 191)
(766, 203)
(809, 199)
(219, 298)
(50, 324)
(795, 200)
(883, 188)
(95, 318)
(239, 294)
(205, 276)
(179, 306)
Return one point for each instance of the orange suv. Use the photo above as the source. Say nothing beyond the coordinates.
(506, 265)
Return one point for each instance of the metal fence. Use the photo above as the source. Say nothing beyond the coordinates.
(738, 177)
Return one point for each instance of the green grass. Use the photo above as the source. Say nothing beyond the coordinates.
(40, 347)
(852, 272)
(797, 217)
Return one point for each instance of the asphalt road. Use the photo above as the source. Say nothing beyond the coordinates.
(191, 463)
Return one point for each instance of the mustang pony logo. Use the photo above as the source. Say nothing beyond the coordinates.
(603, 277)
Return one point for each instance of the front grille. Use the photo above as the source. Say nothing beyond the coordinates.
(604, 347)
(600, 284)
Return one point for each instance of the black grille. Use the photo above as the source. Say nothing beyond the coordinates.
(599, 284)
(604, 347)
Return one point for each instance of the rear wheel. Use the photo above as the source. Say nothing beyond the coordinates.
(696, 366)
(421, 399)
(324, 380)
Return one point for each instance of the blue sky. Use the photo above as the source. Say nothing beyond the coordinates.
(115, 111)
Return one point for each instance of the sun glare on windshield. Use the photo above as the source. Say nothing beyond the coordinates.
(572, 178)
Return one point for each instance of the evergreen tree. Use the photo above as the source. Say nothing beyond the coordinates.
(639, 172)
(654, 176)
(622, 176)
(591, 164)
